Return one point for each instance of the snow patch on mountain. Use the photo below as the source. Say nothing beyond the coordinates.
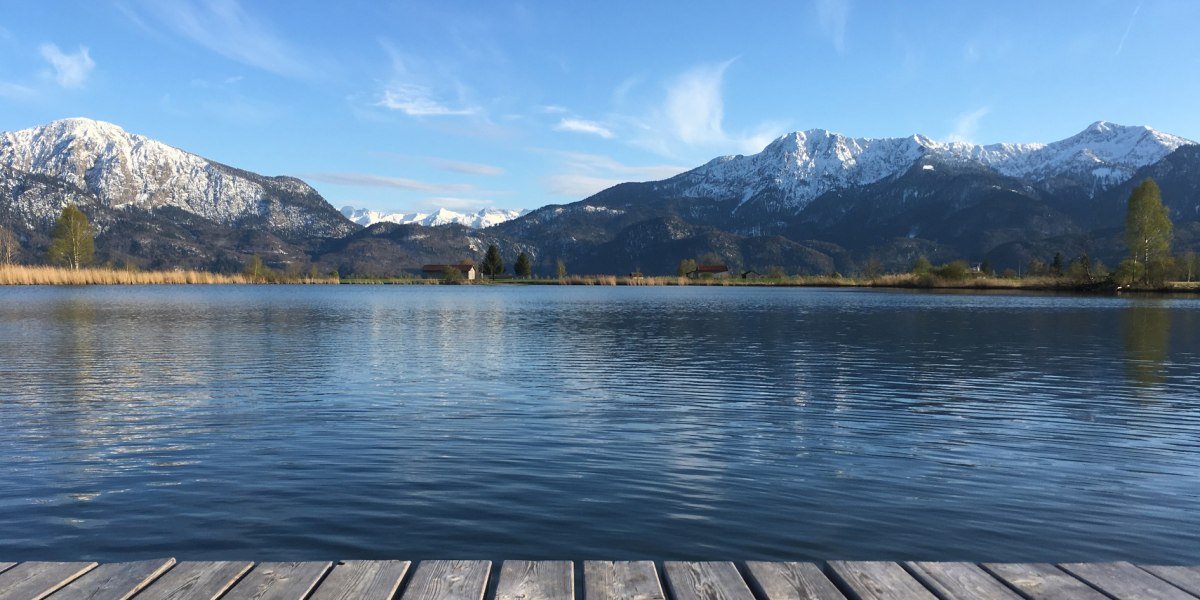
(799, 167)
(477, 220)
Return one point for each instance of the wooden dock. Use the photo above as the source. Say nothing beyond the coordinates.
(166, 579)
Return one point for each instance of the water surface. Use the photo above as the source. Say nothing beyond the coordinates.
(296, 422)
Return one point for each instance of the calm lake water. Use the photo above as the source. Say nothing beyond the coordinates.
(692, 423)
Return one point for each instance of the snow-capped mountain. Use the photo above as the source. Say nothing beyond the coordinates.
(799, 167)
(117, 170)
(477, 220)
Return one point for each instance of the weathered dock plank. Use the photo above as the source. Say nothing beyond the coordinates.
(536, 580)
(6, 566)
(449, 580)
(1043, 581)
(115, 581)
(36, 580)
(876, 580)
(363, 580)
(705, 581)
(1124, 581)
(1185, 578)
(791, 581)
(621, 580)
(960, 581)
(279, 581)
(196, 580)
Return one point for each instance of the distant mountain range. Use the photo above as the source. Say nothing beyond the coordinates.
(812, 201)
(480, 219)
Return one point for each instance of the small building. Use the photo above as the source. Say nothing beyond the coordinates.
(709, 271)
(436, 271)
(751, 274)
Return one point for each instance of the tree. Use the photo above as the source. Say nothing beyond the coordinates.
(1189, 264)
(560, 269)
(523, 267)
(493, 265)
(1148, 232)
(1056, 267)
(451, 274)
(10, 246)
(873, 269)
(686, 267)
(922, 266)
(72, 241)
(256, 269)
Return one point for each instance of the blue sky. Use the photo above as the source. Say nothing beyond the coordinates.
(406, 106)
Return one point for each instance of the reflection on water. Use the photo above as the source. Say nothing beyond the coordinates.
(289, 422)
(1147, 336)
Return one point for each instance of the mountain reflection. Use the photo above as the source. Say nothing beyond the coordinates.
(1147, 339)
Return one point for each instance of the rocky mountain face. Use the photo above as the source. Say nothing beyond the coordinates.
(154, 204)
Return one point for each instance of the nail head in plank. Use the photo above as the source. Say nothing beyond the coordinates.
(877, 580)
(115, 581)
(36, 580)
(706, 581)
(791, 581)
(1186, 578)
(960, 581)
(1043, 581)
(362, 580)
(279, 581)
(1125, 581)
(449, 580)
(621, 580)
(536, 580)
(199, 580)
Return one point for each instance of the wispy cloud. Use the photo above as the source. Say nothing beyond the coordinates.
(584, 126)
(225, 28)
(967, 125)
(15, 91)
(382, 181)
(576, 186)
(71, 70)
(585, 174)
(417, 101)
(467, 168)
(1128, 28)
(694, 105)
(832, 16)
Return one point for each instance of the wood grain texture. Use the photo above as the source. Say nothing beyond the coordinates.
(536, 580)
(1125, 581)
(791, 581)
(621, 580)
(1186, 578)
(36, 580)
(705, 581)
(363, 580)
(960, 581)
(199, 580)
(115, 581)
(449, 580)
(279, 581)
(877, 581)
(1043, 581)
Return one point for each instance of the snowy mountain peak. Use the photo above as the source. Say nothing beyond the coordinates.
(443, 216)
(797, 168)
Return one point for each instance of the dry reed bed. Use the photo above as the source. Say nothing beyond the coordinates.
(33, 275)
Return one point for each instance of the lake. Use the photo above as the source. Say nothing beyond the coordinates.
(290, 422)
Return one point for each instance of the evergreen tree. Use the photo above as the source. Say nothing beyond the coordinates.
(523, 267)
(1148, 232)
(72, 241)
(493, 265)
(1056, 267)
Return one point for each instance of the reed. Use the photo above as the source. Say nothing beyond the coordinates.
(43, 275)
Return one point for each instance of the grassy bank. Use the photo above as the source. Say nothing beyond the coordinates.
(40, 275)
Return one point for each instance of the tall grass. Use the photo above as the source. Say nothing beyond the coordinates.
(41, 275)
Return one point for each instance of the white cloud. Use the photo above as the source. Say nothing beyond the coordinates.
(584, 126)
(967, 125)
(573, 185)
(15, 91)
(454, 202)
(585, 174)
(694, 105)
(832, 16)
(417, 101)
(369, 180)
(70, 70)
(1128, 28)
(469, 168)
(224, 27)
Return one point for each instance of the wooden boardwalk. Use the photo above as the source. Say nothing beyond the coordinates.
(166, 579)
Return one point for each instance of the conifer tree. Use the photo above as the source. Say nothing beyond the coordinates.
(523, 268)
(493, 265)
